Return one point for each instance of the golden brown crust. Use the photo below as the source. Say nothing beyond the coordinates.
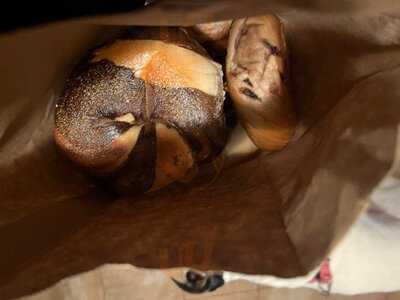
(215, 34)
(174, 158)
(164, 64)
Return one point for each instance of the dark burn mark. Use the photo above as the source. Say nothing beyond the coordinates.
(176, 159)
(283, 78)
(250, 93)
(274, 50)
(137, 174)
(90, 102)
(198, 117)
(247, 81)
(242, 67)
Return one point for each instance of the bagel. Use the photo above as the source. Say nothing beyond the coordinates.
(257, 81)
(143, 111)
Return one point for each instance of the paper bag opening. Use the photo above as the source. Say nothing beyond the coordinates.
(277, 214)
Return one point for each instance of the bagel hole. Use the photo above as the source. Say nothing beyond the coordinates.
(127, 118)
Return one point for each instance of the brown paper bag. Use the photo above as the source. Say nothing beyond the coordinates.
(278, 214)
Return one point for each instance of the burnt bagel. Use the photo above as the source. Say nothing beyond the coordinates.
(143, 111)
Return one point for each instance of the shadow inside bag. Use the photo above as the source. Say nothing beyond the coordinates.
(278, 214)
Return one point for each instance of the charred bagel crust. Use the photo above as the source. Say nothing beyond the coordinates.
(255, 67)
(138, 172)
(84, 120)
(198, 116)
(106, 120)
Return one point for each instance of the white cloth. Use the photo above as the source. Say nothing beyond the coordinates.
(368, 258)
